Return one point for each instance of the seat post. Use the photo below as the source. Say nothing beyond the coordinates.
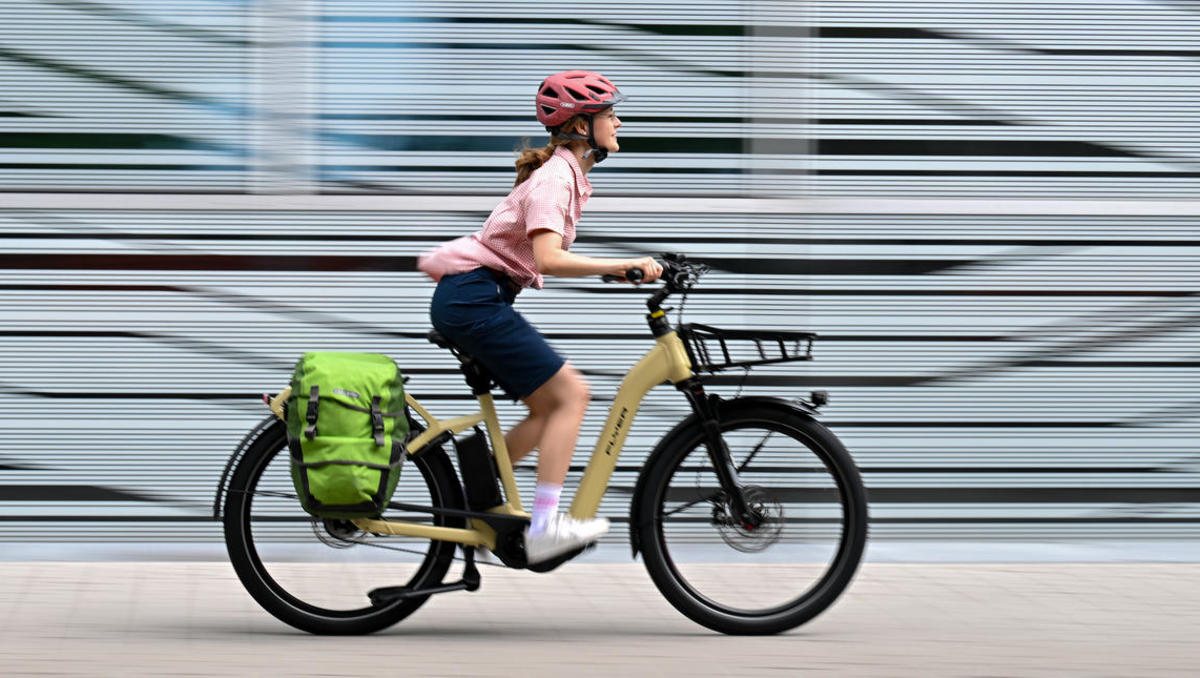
(477, 376)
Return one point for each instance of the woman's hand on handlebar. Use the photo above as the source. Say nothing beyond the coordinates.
(680, 273)
(649, 266)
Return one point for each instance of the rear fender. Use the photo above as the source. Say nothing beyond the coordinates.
(255, 433)
(680, 429)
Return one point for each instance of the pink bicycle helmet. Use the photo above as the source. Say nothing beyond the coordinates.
(565, 95)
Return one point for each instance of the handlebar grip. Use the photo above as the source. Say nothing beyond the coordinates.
(633, 275)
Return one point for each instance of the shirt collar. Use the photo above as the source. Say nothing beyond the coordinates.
(583, 187)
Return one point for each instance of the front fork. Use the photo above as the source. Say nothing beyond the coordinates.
(706, 409)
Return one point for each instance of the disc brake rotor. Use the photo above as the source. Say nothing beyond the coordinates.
(336, 532)
(745, 537)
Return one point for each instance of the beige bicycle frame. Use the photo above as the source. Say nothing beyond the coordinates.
(667, 361)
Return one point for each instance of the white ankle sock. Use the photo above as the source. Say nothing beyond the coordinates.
(545, 505)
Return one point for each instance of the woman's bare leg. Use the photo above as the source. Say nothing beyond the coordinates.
(556, 412)
(525, 436)
(557, 408)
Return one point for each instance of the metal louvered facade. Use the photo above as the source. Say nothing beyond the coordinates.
(989, 211)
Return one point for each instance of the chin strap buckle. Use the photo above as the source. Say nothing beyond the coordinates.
(599, 153)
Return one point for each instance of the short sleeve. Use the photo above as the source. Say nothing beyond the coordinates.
(548, 205)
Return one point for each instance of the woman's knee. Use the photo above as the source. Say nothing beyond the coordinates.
(567, 389)
(579, 391)
(583, 389)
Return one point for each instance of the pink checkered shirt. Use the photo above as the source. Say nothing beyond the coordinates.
(551, 198)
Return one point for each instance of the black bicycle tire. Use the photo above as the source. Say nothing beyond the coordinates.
(438, 473)
(831, 585)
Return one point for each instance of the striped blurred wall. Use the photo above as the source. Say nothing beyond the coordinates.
(987, 209)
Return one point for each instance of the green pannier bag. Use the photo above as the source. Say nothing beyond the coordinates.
(346, 427)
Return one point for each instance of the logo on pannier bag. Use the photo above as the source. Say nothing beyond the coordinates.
(348, 394)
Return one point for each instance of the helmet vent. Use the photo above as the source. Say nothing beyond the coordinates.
(576, 94)
(597, 90)
(547, 110)
(549, 92)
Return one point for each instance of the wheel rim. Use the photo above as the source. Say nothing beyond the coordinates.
(327, 567)
(774, 567)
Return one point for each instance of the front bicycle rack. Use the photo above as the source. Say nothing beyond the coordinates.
(713, 349)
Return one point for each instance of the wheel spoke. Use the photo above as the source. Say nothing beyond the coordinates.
(711, 499)
(269, 493)
(754, 452)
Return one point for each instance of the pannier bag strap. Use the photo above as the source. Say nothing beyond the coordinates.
(349, 462)
(377, 420)
(367, 409)
(313, 403)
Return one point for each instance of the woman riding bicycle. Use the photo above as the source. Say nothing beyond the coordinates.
(527, 236)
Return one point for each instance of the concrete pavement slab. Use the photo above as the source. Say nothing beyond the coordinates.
(606, 619)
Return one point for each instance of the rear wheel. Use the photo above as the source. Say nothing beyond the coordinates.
(316, 574)
(791, 561)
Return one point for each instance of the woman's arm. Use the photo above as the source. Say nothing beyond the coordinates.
(553, 260)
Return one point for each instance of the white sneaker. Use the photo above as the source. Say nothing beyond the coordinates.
(563, 534)
(484, 555)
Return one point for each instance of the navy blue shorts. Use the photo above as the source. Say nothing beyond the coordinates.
(475, 311)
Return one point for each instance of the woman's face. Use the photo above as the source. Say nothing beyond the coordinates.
(605, 125)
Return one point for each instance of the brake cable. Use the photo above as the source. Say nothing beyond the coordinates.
(693, 276)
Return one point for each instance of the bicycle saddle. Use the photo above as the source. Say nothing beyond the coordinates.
(438, 339)
(478, 377)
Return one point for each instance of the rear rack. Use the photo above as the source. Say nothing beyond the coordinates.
(712, 349)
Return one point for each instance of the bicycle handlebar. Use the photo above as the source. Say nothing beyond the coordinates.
(678, 273)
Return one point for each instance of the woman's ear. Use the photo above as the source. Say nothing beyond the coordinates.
(581, 127)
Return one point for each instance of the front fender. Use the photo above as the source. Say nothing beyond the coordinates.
(758, 402)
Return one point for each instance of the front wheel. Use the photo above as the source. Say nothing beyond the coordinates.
(791, 561)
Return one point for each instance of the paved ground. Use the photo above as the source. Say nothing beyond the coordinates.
(606, 619)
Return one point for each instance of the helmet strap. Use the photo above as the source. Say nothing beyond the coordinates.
(596, 150)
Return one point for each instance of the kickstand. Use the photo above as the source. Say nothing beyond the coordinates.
(387, 595)
(470, 575)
